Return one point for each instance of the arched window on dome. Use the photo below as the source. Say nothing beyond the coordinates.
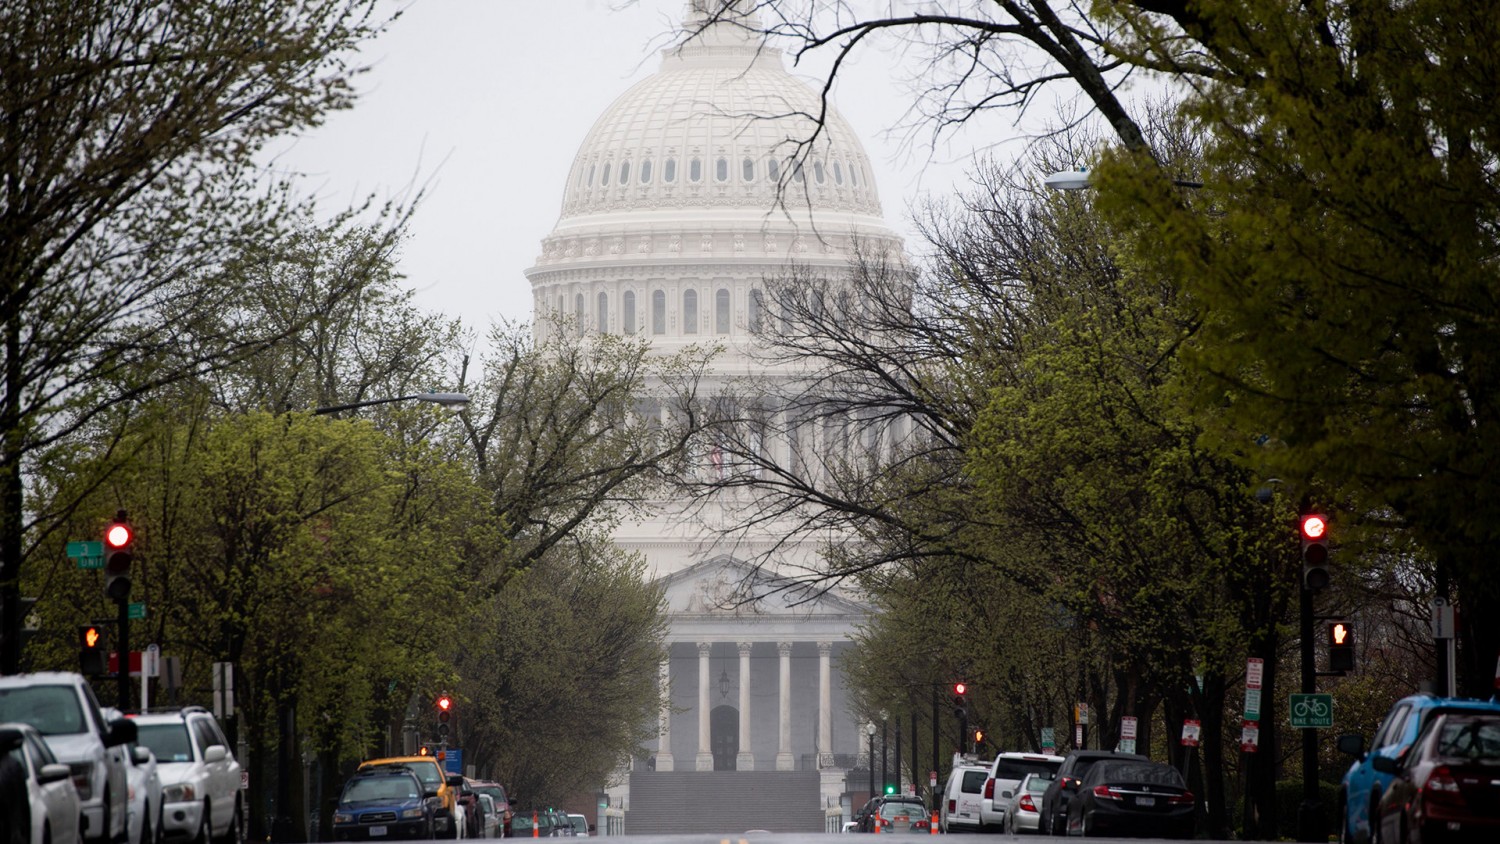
(689, 311)
(721, 169)
(773, 170)
(757, 309)
(659, 312)
(605, 180)
(627, 312)
(747, 170)
(853, 175)
(578, 314)
(625, 172)
(838, 174)
(695, 170)
(797, 172)
(590, 181)
(721, 311)
(646, 171)
(602, 313)
(669, 171)
(818, 171)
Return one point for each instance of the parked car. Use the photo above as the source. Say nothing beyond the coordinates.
(489, 818)
(63, 709)
(542, 821)
(433, 778)
(580, 824)
(200, 778)
(959, 809)
(904, 814)
(1448, 786)
(50, 801)
(1006, 772)
(1023, 811)
(501, 800)
(1061, 789)
(144, 826)
(385, 803)
(561, 826)
(1131, 797)
(1363, 785)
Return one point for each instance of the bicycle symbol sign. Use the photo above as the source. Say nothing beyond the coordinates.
(1311, 711)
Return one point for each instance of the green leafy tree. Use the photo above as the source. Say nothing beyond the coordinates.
(129, 164)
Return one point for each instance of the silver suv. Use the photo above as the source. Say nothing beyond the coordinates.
(62, 707)
(200, 779)
(1006, 772)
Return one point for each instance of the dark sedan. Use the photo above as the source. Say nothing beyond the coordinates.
(1447, 787)
(1131, 797)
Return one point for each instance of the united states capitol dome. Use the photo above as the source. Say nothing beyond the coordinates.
(713, 166)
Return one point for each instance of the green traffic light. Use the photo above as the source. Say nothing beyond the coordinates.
(890, 789)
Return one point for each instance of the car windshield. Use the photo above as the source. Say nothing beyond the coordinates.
(1015, 769)
(370, 789)
(1142, 772)
(580, 823)
(169, 742)
(52, 710)
(973, 782)
(427, 772)
(1470, 739)
(494, 791)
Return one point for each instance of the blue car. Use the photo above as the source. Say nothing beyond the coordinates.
(384, 803)
(1363, 786)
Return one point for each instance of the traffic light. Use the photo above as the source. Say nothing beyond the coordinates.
(119, 540)
(1340, 646)
(961, 700)
(890, 789)
(1313, 528)
(978, 738)
(93, 659)
(444, 705)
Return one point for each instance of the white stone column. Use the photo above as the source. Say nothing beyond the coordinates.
(825, 704)
(784, 760)
(745, 760)
(664, 743)
(705, 752)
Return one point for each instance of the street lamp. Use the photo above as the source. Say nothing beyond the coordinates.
(870, 731)
(444, 399)
(1079, 180)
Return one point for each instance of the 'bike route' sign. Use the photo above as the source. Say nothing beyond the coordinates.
(1311, 711)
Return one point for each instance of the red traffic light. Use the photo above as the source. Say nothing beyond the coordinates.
(89, 636)
(1338, 633)
(960, 688)
(444, 704)
(1314, 525)
(117, 535)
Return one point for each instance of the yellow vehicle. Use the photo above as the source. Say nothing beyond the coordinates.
(430, 771)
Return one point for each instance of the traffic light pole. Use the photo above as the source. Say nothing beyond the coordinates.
(1310, 825)
(123, 661)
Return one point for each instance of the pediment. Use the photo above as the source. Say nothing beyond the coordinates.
(728, 587)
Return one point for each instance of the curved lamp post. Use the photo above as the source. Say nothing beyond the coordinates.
(444, 399)
(870, 731)
(1079, 180)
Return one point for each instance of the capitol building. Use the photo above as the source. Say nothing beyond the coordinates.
(688, 194)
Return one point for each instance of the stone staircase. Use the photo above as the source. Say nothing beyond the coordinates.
(725, 802)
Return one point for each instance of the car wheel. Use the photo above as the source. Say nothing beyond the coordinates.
(146, 829)
(235, 833)
(205, 832)
(1374, 814)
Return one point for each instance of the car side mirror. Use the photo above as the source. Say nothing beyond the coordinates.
(121, 731)
(1353, 745)
(56, 772)
(1385, 764)
(217, 753)
(140, 755)
(429, 793)
(455, 781)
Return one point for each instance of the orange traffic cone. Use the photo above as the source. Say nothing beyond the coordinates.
(536, 832)
(932, 828)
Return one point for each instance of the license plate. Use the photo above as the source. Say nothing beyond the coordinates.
(1145, 801)
(377, 830)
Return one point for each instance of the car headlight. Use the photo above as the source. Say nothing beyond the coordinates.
(412, 813)
(178, 793)
(343, 817)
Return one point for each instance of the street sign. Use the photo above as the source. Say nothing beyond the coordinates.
(1250, 737)
(152, 665)
(1127, 745)
(1442, 619)
(1127, 727)
(1049, 739)
(135, 611)
(453, 760)
(1191, 730)
(1252, 704)
(932, 779)
(1082, 712)
(85, 548)
(1311, 711)
(1254, 671)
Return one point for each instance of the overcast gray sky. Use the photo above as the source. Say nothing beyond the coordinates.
(483, 103)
